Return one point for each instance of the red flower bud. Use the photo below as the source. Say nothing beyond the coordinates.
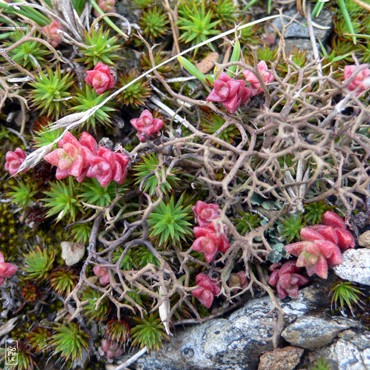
(6, 269)
(146, 125)
(100, 78)
(205, 212)
(51, 32)
(13, 160)
(231, 93)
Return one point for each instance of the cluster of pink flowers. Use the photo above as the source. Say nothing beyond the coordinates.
(286, 278)
(100, 78)
(360, 78)
(103, 274)
(206, 289)
(146, 125)
(6, 269)
(321, 245)
(84, 158)
(51, 32)
(210, 237)
(233, 93)
(13, 160)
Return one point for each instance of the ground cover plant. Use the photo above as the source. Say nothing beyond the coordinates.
(164, 162)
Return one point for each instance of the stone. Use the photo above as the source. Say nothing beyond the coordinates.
(72, 252)
(364, 239)
(286, 358)
(350, 352)
(312, 332)
(235, 343)
(297, 29)
(355, 266)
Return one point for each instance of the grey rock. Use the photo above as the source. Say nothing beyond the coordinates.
(235, 343)
(350, 352)
(355, 266)
(314, 332)
(286, 358)
(297, 29)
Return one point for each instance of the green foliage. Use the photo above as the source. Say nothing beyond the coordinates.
(61, 200)
(153, 22)
(321, 364)
(51, 92)
(91, 192)
(159, 57)
(69, 341)
(170, 222)
(290, 227)
(79, 5)
(143, 3)
(38, 263)
(45, 136)
(148, 332)
(89, 98)
(92, 310)
(142, 256)
(314, 211)
(344, 294)
(213, 122)
(81, 233)
(246, 222)
(195, 24)
(25, 359)
(147, 173)
(278, 252)
(118, 330)
(224, 10)
(8, 231)
(63, 280)
(22, 194)
(135, 258)
(100, 48)
(38, 339)
(299, 57)
(136, 94)
(29, 54)
(267, 54)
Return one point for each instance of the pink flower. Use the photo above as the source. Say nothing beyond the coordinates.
(231, 93)
(103, 274)
(210, 231)
(207, 245)
(146, 125)
(286, 279)
(207, 289)
(105, 5)
(266, 75)
(205, 212)
(70, 159)
(361, 80)
(51, 32)
(108, 166)
(13, 160)
(6, 269)
(333, 229)
(100, 78)
(111, 348)
(209, 241)
(316, 256)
